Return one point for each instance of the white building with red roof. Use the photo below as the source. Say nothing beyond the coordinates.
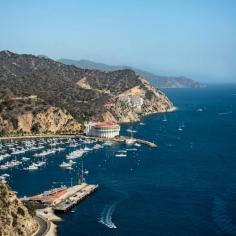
(105, 129)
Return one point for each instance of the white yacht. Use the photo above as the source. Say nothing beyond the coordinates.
(131, 149)
(97, 146)
(65, 165)
(6, 175)
(130, 141)
(75, 154)
(137, 144)
(108, 143)
(45, 153)
(87, 149)
(180, 128)
(32, 167)
(121, 155)
(40, 163)
(164, 119)
(199, 109)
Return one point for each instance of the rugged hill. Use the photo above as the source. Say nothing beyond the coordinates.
(14, 217)
(40, 95)
(156, 80)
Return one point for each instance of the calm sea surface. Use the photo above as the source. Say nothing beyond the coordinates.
(186, 186)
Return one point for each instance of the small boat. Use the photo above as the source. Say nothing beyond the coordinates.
(199, 109)
(59, 149)
(137, 144)
(5, 175)
(86, 172)
(164, 119)
(131, 131)
(65, 165)
(141, 123)
(75, 154)
(122, 151)
(40, 163)
(97, 146)
(3, 167)
(131, 149)
(108, 143)
(87, 149)
(121, 155)
(130, 141)
(45, 153)
(69, 168)
(32, 167)
(180, 128)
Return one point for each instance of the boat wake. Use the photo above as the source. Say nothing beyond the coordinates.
(106, 216)
(225, 113)
(221, 217)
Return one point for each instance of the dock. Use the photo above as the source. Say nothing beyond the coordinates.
(62, 199)
(75, 195)
(150, 144)
(120, 139)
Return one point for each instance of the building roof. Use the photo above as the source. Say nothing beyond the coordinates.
(105, 124)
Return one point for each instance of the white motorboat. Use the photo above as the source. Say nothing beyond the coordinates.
(75, 154)
(121, 155)
(137, 144)
(32, 167)
(65, 165)
(130, 141)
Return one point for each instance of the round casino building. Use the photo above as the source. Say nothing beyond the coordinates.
(104, 129)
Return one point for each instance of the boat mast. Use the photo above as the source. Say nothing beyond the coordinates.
(82, 171)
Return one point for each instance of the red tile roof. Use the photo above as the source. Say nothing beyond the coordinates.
(105, 123)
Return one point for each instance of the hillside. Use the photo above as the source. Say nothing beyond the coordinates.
(156, 80)
(39, 95)
(14, 217)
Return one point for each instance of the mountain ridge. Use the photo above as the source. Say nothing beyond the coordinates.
(156, 80)
(40, 95)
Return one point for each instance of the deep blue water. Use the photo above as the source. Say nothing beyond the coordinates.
(186, 186)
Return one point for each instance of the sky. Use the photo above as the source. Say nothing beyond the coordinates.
(196, 39)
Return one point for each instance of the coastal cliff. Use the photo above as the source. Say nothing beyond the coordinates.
(15, 219)
(39, 95)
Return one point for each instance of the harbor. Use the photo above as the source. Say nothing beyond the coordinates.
(78, 136)
(34, 155)
(56, 201)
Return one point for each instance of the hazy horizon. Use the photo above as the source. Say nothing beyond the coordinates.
(196, 39)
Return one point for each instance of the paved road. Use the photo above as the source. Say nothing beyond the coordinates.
(43, 226)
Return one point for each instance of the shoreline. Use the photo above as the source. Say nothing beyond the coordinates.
(117, 139)
(3, 138)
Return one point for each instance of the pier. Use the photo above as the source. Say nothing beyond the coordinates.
(75, 195)
(63, 199)
(120, 139)
(150, 144)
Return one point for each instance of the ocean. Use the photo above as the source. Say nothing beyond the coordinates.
(185, 186)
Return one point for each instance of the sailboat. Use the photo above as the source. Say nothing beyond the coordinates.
(180, 127)
(130, 140)
(164, 119)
